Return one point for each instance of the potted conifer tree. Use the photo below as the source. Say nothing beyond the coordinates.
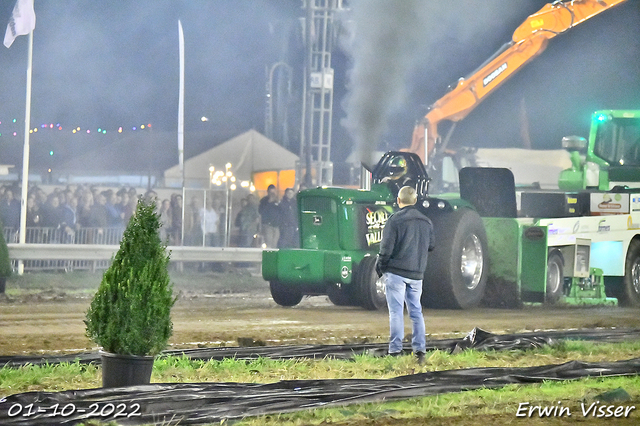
(5, 262)
(130, 315)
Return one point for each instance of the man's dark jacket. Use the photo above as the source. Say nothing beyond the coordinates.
(407, 238)
(269, 212)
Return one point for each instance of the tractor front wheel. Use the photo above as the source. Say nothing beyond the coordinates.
(339, 295)
(370, 289)
(285, 295)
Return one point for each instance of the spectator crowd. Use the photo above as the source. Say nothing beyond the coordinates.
(86, 214)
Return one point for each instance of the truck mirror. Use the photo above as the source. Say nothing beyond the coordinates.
(574, 143)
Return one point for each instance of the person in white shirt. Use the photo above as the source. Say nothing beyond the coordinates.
(209, 223)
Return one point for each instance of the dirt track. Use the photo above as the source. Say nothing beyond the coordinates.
(52, 321)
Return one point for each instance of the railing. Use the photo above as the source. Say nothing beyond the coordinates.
(93, 248)
(41, 235)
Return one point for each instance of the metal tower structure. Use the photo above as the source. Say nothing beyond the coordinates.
(315, 135)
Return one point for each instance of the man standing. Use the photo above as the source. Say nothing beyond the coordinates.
(288, 220)
(407, 238)
(248, 220)
(209, 220)
(270, 217)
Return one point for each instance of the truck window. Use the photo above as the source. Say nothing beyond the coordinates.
(319, 205)
(618, 141)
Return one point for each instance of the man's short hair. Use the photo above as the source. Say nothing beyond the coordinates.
(408, 195)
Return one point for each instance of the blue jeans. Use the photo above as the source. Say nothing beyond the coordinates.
(400, 290)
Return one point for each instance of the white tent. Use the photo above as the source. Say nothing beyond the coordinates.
(248, 152)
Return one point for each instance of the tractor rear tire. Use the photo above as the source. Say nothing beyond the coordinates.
(457, 269)
(285, 295)
(630, 292)
(555, 277)
(370, 290)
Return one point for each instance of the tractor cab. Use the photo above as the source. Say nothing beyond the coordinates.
(397, 169)
(611, 157)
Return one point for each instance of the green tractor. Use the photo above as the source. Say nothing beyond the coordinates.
(340, 234)
(494, 244)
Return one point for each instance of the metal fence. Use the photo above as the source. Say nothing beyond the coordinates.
(53, 249)
(42, 235)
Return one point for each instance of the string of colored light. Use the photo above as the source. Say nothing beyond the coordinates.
(74, 130)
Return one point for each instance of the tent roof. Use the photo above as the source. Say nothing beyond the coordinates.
(248, 152)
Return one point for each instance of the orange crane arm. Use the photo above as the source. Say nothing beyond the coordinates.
(529, 40)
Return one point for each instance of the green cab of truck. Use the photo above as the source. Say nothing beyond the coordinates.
(611, 155)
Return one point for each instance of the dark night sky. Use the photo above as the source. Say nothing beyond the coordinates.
(110, 64)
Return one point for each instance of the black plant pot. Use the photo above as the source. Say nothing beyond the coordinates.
(3, 284)
(125, 370)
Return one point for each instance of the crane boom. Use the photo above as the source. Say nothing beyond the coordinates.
(528, 41)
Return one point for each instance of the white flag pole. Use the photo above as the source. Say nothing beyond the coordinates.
(181, 122)
(25, 154)
(181, 104)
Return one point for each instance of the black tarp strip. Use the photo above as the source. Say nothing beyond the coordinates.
(197, 403)
(477, 339)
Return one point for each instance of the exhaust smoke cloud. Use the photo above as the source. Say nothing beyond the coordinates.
(385, 38)
(392, 39)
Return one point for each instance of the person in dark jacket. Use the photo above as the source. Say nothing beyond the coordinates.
(248, 220)
(288, 220)
(270, 217)
(10, 210)
(407, 237)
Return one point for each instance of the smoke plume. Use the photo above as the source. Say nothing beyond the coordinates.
(383, 47)
(393, 39)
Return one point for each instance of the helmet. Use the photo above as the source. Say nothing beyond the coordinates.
(397, 167)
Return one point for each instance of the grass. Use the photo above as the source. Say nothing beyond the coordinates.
(503, 401)
(264, 370)
(465, 407)
(50, 378)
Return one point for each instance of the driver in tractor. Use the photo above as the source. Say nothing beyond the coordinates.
(397, 174)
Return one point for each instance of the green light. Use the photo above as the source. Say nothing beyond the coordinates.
(601, 118)
(104, 132)
(50, 152)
